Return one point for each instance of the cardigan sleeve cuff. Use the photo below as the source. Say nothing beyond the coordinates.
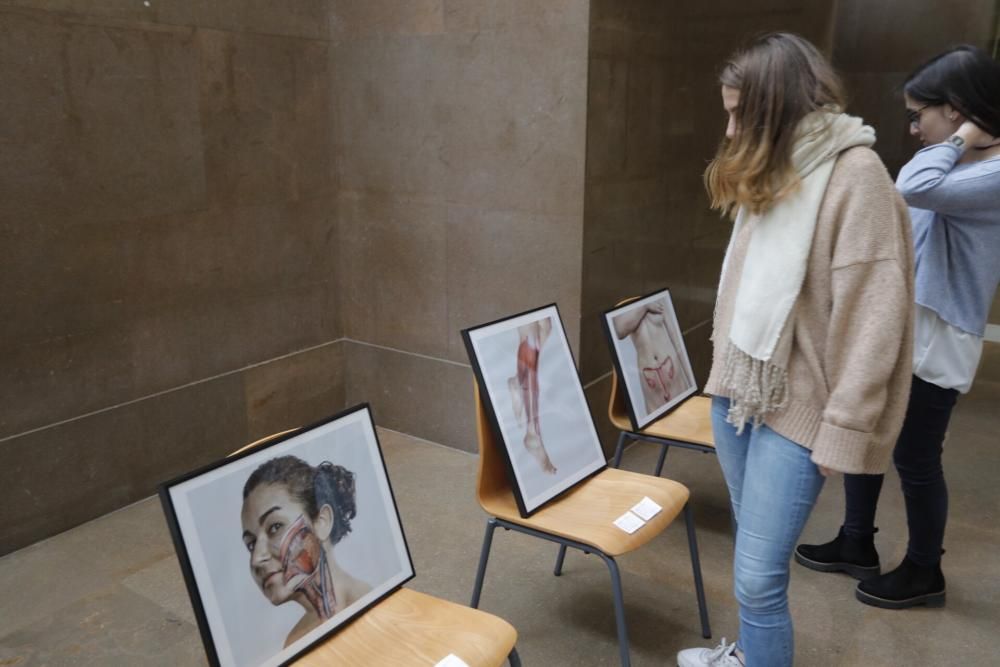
(842, 449)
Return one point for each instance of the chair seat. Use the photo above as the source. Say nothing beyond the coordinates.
(587, 512)
(690, 422)
(411, 628)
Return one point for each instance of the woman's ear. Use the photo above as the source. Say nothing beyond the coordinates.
(323, 525)
(952, 114)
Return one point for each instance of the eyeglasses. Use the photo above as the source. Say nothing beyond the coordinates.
(913, 115)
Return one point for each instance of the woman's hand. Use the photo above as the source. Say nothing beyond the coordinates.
(826, 472)
(975, 136)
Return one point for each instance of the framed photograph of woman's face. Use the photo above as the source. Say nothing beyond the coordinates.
(284, 543)
(649, 356)
(533, 396)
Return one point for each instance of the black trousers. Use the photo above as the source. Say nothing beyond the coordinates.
(918, 460)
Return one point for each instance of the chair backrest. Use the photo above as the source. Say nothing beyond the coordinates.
(266, 438)
(616, 403)
(493, 490)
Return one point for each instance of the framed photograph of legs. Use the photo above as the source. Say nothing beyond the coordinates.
(535, 401)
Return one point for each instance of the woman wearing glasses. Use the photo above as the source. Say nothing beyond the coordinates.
(952, 187)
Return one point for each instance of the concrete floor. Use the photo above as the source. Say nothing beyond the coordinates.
(110, 592)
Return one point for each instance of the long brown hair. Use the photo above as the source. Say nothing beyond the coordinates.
(781, 78)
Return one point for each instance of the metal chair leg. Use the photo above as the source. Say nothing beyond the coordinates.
(622, 438)
(513, 659)
(663, 457)
(484, 557)
(706, 630)
(616, 587)
(559, 560)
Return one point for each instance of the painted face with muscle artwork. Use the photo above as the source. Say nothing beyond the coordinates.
(287, 558)
(294, 515)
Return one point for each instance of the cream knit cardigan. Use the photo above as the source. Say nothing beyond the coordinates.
(774, 267)
(850, 365)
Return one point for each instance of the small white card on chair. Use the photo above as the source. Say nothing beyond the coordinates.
(646, 508)
(452, 660)
(629, 522)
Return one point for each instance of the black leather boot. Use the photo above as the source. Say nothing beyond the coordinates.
(854, 555)
(908, 585)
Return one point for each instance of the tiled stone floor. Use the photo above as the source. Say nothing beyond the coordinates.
(110, 592)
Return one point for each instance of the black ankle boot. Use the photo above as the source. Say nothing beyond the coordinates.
(908, 585)
(854, 555)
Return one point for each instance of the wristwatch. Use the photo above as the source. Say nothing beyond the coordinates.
(956, 141)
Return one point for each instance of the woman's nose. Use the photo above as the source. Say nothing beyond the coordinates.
(914, 129)
(260, 553)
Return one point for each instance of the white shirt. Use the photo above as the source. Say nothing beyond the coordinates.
(944, 354)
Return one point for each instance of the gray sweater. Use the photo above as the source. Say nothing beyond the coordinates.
(955, 209)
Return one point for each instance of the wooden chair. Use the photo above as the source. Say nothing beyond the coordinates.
(411, 628)
(688, 426)
(583, 518)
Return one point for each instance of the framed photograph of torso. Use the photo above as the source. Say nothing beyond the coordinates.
(532, 393)
(648, 352)
(284, 543)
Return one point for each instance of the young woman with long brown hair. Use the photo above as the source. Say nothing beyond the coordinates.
(813, 320)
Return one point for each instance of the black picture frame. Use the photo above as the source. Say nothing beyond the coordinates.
(529, 493)
(628, 381)
(197, 577)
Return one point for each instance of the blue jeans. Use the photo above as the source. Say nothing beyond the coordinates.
(773, 486)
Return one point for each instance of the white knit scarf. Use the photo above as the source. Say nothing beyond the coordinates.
(755, 376)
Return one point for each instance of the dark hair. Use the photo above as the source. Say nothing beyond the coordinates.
(965, 77)
(326, 484)
(782, 78)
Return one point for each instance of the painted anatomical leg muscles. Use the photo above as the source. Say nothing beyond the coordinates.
(524, 392)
